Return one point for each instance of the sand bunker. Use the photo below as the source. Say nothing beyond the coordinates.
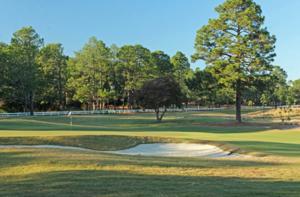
(177, 150)
(155, 149)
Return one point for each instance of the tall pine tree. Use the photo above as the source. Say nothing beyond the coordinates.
(236, 46)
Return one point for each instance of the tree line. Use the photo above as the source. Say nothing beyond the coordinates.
(236, 47)
(35, 76)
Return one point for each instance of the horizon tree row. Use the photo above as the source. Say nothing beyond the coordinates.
(35, 76)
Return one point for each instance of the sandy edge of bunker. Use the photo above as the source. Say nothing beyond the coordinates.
(154, 149)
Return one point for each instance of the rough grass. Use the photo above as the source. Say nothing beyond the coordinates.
(277, 114)
(54, 172)
(45, 173)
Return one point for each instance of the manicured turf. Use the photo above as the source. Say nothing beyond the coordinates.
(45, 172)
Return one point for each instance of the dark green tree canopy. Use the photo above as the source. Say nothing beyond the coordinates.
(161, 63)
(4, 68)
(203, 85)
(160, 93)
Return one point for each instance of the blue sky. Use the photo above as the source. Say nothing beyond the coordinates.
(167, 25)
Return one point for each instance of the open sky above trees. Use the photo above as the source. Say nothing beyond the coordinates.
(158, 25)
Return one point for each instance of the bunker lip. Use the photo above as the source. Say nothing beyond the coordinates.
(178, 150)
(154, 149)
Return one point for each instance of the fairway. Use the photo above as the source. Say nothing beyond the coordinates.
(149, 99)
(272, 170)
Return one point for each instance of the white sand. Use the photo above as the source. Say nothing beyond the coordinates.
(176, 150)
(155, 149)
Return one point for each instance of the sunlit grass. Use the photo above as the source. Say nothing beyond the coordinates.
(55, 172)
(45, 172)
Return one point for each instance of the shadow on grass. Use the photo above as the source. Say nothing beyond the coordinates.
(180, 122)
(151, 161)
(166, 126)
(10, 159)
(283, 149)
(122, 183)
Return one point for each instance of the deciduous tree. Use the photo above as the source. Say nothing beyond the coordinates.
(159, 94)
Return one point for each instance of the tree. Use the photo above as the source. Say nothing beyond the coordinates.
(161, 63)
(116, 78)
(160, 93)
(236, 46)
(135, 66)
(53, 68)
(271, 90)
(277, 86)
(181, 66)
(88, 73)
(4, 67)
(295, 92)
(25, 45)
(182, 72)
(204, 86)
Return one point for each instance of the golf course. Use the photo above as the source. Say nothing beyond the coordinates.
(129, 98)
(271, 168)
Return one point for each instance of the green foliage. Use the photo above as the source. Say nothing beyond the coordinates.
(33, 76)
(204, 87)
(135, 68)
(295, 92)
(53, 70)
(162, 63)
(24, 72)
(4, 69)
(159, 93)
(182, 72)
(89, 73)
(236, 47)
(181, 65)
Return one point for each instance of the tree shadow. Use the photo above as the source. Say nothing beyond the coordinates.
(15, 158)
(122, 183)
(189, 162)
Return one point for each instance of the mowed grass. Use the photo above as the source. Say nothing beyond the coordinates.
(54, 172)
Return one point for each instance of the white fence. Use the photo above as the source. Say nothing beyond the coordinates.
(108, 111)
(111, 111)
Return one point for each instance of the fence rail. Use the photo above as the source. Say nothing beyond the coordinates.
(125, 111)
(108, 111)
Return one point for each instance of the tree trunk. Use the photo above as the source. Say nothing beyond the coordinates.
(31, 103)
(128, 100)
(157, 115)
(25, 103)
(93, 105)
(238, 102)
(60, 91)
